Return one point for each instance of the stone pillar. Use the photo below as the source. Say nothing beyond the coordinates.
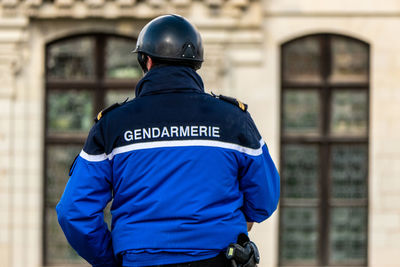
(19, 209)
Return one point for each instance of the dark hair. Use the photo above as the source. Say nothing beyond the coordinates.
(157, 62)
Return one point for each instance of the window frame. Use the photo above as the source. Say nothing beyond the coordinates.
(324, 141)
(98, 86)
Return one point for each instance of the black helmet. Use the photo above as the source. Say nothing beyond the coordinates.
(170, 39)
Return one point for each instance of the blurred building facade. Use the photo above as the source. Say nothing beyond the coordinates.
(322, 80)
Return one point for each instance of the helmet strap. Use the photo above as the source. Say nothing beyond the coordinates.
(142, 59)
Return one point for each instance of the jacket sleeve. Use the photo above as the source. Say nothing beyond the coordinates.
(259, 180)
(80, 210)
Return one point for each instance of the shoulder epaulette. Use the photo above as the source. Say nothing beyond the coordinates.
(108, 109)
(232, 100)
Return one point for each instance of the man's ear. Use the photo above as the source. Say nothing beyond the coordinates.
(149, 63)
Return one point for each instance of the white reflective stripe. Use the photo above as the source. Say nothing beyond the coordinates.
(94, 158)
(174, 143)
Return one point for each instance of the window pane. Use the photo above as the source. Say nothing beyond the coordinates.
(300, 171)
(57, 248)
(59, 160)
(121, 63)
(69, 111)
(107, 215)
(349, 60)
(348, 235)
(349, 113)
(72, 59)
(118, 96)
(301, 61)
(299, 235)
(301, 112)
(349, 171)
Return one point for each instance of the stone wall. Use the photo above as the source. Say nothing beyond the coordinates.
(375, 23)
(242, 40)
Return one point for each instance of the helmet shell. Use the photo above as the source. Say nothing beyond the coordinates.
(171, 38)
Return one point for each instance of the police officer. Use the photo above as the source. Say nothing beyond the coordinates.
(185, 170)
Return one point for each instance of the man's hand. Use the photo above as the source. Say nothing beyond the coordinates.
(249, 226)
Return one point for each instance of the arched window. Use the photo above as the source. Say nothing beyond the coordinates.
(84, 74)
(324, 151)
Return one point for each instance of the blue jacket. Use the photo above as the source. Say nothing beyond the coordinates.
(184, 169)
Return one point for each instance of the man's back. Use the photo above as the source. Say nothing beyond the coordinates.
(175, 175)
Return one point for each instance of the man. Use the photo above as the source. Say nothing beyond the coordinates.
(185, 169)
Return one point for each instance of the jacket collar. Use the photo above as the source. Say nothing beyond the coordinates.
(169, 79)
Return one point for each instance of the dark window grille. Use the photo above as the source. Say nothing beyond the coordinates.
(84, 74)
(324, 151)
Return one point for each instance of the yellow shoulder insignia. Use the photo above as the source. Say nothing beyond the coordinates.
(106, 110)
(241, 105)
(99, 115)
(232, 100)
